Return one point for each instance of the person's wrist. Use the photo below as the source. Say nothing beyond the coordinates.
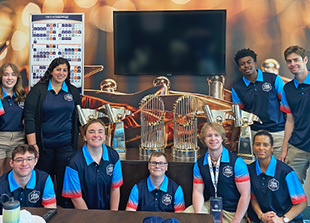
(261, 216)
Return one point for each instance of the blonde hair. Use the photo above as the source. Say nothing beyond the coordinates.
(18, 88)
(217, 127)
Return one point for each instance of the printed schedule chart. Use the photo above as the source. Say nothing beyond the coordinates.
(57, 35)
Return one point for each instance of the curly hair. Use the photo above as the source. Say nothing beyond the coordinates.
(56, 62)
(244, 53)
(18, 88)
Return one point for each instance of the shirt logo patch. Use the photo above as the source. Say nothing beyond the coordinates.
(166, 199)
(228, 171)
(21, 104)
(68, 97)
(109, 169)
(273, 184)
(34, 196)
(266, 87)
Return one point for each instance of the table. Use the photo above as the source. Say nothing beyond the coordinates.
(102, 216)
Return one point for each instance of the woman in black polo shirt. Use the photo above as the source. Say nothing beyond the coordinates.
(12, 96)
(51, 120)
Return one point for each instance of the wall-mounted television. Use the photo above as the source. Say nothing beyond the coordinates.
(170, 42)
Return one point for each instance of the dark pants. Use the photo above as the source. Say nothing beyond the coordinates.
(54, 161)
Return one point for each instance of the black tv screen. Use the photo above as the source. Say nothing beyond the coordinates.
(170, 42)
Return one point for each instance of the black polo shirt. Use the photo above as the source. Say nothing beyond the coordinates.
(261, 98)
(296, 100)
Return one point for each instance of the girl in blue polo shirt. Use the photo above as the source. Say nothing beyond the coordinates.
(12, 96)
(94, 175)
(51, 120)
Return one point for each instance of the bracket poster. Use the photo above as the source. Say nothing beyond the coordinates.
(57, 35)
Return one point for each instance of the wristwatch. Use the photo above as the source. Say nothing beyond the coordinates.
(285, 219)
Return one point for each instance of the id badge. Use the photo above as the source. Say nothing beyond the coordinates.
(216, 209)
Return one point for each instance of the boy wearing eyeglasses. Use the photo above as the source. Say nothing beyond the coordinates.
(32, 187)
(157, 192)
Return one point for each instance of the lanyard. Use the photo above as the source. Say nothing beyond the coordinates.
(215, 177)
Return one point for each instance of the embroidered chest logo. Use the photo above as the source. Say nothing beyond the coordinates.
(21, 104)
(273, 184)
(109, 169)
(266, 87)
(228, 171)
(68, 97)
(166, 199)
(34, 196)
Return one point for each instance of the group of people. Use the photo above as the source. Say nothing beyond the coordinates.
(90, 178)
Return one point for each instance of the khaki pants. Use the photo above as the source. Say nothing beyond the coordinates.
(8, 142)
(227, 216)
(299, 160)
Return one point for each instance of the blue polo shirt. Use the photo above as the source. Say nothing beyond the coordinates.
(11, 114)
(145, 197)
(232, 170)
(38, 192)
(57, 117)
(278, 189)
(296, 100)
(85, 178)
(261, 98)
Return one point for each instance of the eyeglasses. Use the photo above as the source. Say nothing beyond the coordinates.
(161, 164)
(21, 160)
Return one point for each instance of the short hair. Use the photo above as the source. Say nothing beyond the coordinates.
(158, 154)
(264, 133)
(23, 148)
(295, 49)
(91, 121)
(217, 127)
(244, 53)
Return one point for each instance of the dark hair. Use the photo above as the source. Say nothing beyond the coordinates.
(245, 53)
(217, 127)
(158, 154)
(18, 88)
(91, 121)
(23, 148)
(295, 49)
(264, 133)
(56, 62)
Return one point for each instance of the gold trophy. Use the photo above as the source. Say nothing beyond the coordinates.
(152, 125)
(185, 128)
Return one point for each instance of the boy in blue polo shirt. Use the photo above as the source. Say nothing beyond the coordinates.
(259, 93)
(32, 187)
(277, 195)
(157, 192)
(296, 104)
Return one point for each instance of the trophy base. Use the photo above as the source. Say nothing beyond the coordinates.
(247, 158)
(148, 151)
(120, 150)
(186, 154)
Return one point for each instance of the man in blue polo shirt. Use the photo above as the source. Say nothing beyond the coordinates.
(32, 187)
(277, 194)
(259, 93)
(220, 174)
(157, 192)
(296, 103)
